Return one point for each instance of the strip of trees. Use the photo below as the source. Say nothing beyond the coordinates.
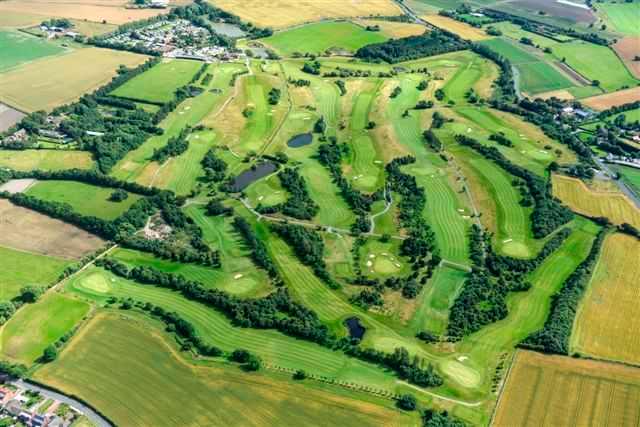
(432, 43)
(299, 205)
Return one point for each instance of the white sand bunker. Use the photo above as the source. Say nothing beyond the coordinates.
(369, 263)
(237, 276)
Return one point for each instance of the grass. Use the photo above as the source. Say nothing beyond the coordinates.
(609, 70)
(434, 302)
(50, 82)
(180, 173)
(160, 82)
(606, 321)
(318, 38)
(286, 13)
(623, 16)
(394, 30)
(20, 269)
(27, 160)
(18, 48)
(218, 394)
(580, 198)
(536, 75)
(630, 176)
(528, 310)
(273, 347)
(561, 390)
(84, 198)
(39, 325)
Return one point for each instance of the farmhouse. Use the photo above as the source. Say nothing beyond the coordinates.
(16, 137)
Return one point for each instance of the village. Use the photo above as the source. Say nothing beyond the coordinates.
(22, 404)
(174, 39)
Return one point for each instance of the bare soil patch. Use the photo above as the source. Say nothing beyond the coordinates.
(17, 185)
(560, 94)
(30, 231)
(558, 9)
(627, 48)
(604, 102)
(9, 117)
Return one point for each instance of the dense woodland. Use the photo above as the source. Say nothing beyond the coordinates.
(432, 43)
(299, 205)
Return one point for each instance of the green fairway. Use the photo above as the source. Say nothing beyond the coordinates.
(214, 328)
(609, 70)
(39, 325)
(160, 82)
(434, 302)
(623, 16)
(528, 310)
(317, 38)
(536, 75)
(18, 269)
(84, 198)
(18, 48)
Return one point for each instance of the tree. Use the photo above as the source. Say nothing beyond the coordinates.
(299, 375)
(407, 402)
(30, 293)
(50, 354)
(118, 195)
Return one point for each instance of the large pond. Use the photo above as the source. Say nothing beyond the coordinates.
(300, 140)
(228, 30)
(256, 172)
(356, 330)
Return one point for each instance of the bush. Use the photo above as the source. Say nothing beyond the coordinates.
(118, 195)
(407, 402)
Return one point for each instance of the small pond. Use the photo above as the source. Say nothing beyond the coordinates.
(228, 30)
(300, 140)
(260, 170)
(356, 330)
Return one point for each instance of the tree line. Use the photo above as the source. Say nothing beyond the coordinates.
(299, 205)
(432, 43)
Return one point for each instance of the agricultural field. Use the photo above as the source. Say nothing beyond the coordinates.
(623, 16)
(627, 49)
(122, 386)
(604, 102)
(50, 82)
(630, 176)
(26, 160)
(84, 198)
(39, 325)
(287, 13)
(582, 199)
(536, 74)
(392, 29)
(606, 320)
(18, 48)
(558, 390)
(159, 83)
(317, 38)
(17, 270)
(465, 31)
(29, 231)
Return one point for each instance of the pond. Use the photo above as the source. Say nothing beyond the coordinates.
(356, 330)
(249, 176)
(300, 140)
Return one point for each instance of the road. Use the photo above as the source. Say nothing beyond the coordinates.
(623, 187)
(95, 418)
(388, 203)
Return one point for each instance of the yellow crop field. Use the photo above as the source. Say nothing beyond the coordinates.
(584, 200)
(53, 81)
(460, 28)
(607, 323)
(285, 13)
(110, 11)
(545, 390)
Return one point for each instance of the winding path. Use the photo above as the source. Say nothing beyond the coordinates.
(387, 206)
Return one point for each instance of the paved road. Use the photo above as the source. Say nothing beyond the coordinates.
(97, 419)
(623, 187)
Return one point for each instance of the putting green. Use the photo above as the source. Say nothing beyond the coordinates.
(96, 282)
(384, 265)
(464, 375)
(516, 249)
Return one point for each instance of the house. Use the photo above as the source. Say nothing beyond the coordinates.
(94, 133)
(37, 420)
(13, 407)
(18, 136)
(24, 416)
(159, 4)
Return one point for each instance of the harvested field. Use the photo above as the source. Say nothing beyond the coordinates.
(111, 11)
(607, 324)
(50, 82)
(584, 200)
(92, 367)
(30, 231)
(460, 28)
(395, 30)
(26, 160)
(9, 117)
(604, 102)
(557, 391)
(567, 12)
(285, 13)
(560, 94)
(627, 48)
(17, 185)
